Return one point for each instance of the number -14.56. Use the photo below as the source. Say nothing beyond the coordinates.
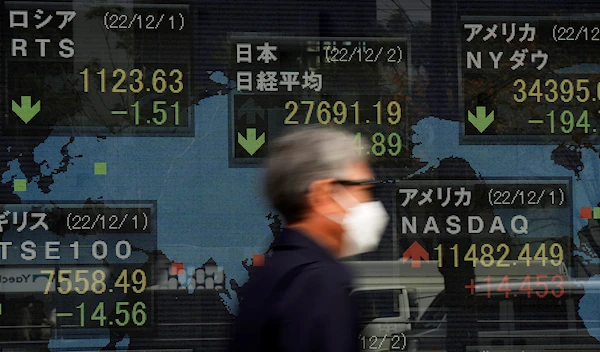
(125, 313)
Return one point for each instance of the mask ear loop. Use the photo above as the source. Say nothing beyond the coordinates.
(314, 186)
(348, 195)
(339, 218)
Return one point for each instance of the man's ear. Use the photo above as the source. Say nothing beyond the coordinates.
(319, 197)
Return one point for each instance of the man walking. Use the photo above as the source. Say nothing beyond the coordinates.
(299, 300)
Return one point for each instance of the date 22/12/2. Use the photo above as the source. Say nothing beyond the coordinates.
(392, 342)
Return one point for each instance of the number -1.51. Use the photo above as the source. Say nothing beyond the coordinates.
(160, 112)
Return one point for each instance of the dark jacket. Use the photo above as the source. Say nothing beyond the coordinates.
(298, 302)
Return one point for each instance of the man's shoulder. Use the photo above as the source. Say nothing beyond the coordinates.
(294, 248)
(280, 274)
(318, 278)
(332, 272)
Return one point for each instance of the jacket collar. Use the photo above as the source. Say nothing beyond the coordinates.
(294, 239)
(295, 248)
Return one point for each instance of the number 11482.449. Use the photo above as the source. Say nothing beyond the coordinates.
(498, 256)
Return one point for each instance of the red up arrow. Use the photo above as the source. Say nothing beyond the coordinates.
(415, 252)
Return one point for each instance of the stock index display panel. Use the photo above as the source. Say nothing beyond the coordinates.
(132, 135)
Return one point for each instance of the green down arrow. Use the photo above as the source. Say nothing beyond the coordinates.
(25, 111)
(250, 143)
(481, 121)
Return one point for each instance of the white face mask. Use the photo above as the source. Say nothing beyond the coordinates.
(364, 224)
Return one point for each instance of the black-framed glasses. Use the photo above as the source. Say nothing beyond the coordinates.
(372, 185)
(357, 182)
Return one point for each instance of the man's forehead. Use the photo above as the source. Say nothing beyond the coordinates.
(360, 170)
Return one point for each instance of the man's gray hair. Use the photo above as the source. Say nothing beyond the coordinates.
(299, 158)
